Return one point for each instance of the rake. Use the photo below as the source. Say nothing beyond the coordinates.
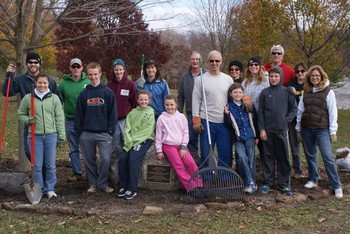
(220, 184)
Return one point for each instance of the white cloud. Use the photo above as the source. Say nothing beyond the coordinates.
(169, 16)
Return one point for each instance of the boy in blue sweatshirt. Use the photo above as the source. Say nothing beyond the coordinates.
(95, 122)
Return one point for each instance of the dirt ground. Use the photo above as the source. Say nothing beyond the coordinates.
(74, 195)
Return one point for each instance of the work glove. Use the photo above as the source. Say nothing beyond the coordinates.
(31, 120)
(300, 139)
(197, 125)
(247, 103)
(333, 138)
(60, 142)
(291, 90)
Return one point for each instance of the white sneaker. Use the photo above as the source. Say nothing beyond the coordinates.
(247, 189)
(338, 193)
(51, 194)
(310, 185)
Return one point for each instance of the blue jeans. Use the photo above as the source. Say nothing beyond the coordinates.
(246, 160)
(130, 166)
(45, 155)
(73, 142)
(221, 136)
(319, 137)
(193, 136)
(97, 172)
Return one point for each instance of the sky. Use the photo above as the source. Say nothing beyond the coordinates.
(178, 11)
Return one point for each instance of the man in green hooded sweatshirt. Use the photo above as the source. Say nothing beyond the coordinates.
(70, 87)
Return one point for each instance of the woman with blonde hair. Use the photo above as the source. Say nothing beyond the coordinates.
(317, 127)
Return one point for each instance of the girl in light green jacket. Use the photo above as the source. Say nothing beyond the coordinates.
(49, 130)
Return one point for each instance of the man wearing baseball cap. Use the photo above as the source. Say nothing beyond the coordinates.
(24, 83)
(70, 87)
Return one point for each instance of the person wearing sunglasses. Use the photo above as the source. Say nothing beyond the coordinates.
(255, 80)
(296, 87)
(216, 85)
(70, 87)
(24, 83)
(235, 70)
(277, 53)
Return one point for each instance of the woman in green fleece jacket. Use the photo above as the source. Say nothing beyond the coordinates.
(49, 130)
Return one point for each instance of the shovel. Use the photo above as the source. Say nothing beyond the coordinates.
(33, 190)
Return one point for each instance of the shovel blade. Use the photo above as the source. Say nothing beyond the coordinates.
(33, 192)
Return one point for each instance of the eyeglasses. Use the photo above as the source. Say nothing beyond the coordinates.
(235, 69)
(76, 66)
(274, 53)
(212, 61)
(33, 62)
(315, 76)
(299, 71)
(254, 64)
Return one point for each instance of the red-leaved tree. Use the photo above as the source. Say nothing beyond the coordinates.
(125, 36)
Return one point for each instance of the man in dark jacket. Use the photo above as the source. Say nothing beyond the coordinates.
(24, 83)
(95, 121)
(184, 97)
(277, 108)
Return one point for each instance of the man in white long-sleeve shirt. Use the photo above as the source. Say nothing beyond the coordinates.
(216, 85)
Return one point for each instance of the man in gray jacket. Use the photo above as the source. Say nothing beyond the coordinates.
(184, 96)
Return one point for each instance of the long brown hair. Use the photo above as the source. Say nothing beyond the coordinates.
(249, 78)
(307, 83)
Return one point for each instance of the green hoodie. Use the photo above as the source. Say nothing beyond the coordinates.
(70, 91)
(140, 124)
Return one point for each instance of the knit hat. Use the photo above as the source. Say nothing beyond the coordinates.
(255, 59)
(33, 56)
(76, 61)
(118, 62)
(236, 63)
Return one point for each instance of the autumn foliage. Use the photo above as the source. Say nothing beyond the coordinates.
(123, 34)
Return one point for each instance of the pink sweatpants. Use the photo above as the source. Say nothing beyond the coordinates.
(184, 167)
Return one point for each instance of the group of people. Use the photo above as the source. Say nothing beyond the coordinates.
(257, 106)
(271, 106)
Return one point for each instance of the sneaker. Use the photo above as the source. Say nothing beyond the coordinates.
(287, 191)
(121, 192)
(130, 195)
(248, 189)
(51, 194)
(310, 184)
(92, 189)
(338, 193)
(107, 189)
(265, 189)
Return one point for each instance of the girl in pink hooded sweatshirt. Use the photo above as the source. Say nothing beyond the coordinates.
(172, 139)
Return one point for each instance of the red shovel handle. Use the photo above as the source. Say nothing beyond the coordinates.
(32, 128)
(5, 113)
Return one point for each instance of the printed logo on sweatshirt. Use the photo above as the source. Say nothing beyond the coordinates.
(95, 102)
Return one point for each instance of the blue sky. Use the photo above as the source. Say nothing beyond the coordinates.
(178, 9)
